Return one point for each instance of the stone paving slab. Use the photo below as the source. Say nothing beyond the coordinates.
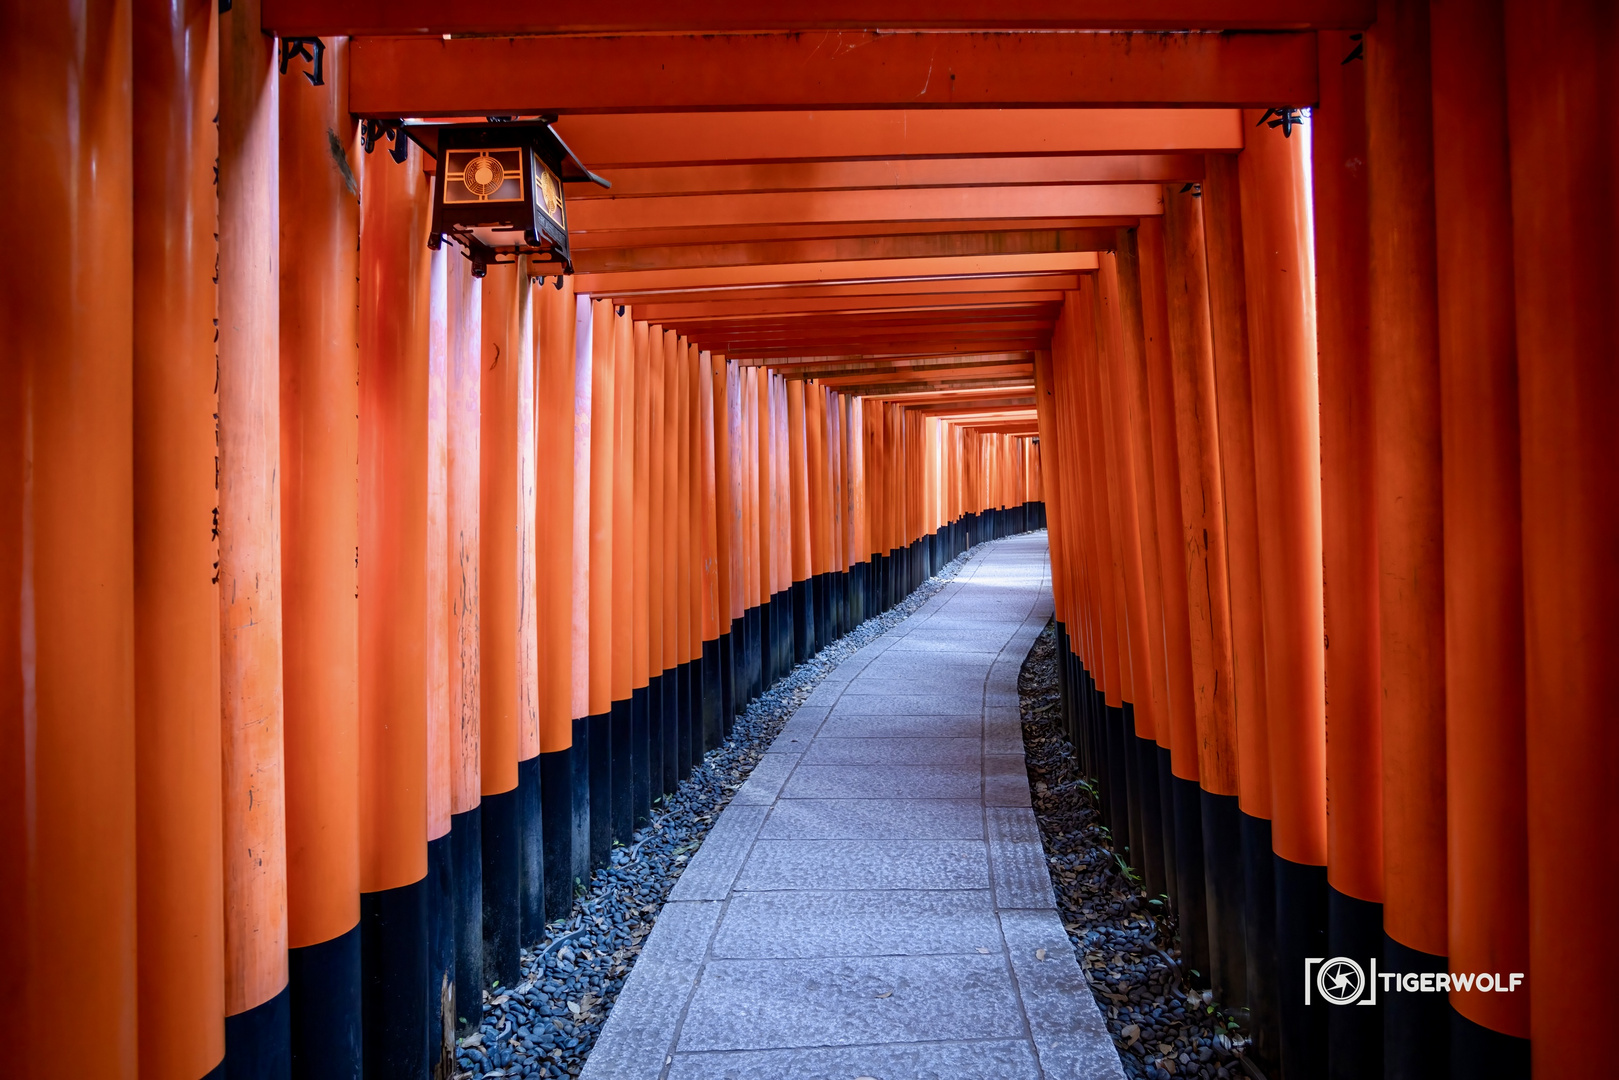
(874, 901)
(859, 923)
(875, 819)
(990, 1059)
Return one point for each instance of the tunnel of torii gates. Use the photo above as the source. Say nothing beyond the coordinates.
(351, 607)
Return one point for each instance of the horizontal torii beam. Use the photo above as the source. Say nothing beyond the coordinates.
(923, 245)
(435, 76)
(895, 173)
(628, 140)
(327, 17)
(872, 271)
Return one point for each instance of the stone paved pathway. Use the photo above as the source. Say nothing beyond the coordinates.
(874, 901)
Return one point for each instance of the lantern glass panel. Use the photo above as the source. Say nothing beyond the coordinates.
(483, 175)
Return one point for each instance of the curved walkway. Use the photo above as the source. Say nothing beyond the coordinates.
(874, 901)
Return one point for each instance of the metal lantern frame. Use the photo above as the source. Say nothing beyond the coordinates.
(516, 206)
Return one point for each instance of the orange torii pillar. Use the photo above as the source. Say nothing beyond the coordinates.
(1202, 516)
(1349, 547)
(1488, 835)
(1241, 824)
(178, 905)
(520, 344)
(666, 511)
(705, 568)
(815, 586)
(1140, 713)
(797, 457)
(320, 229)
(748, 498)
(256, 1002)
(1404, 360)
(638, 444)
(1563, 238)
(621, 709)
(728, 535)
(1177, 736)
(689, 682)
(1136, 419)
(770, 554)
(394, 371)
(500, 517)
(584, 323)
(599, 683)
(1287, 467)
(554, 313)
(436, 662)
(463, 318)
(69, 745)
(660, 692)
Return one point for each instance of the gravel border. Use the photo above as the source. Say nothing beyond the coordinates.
(1125, 941)
(546, 1025)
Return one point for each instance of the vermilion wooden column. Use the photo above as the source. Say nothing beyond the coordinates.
(256, 1028)
(1561, 60)
(1349, 546)
(521, 343)
(1203, 520)
(436, 636)
(1488, 841)
(669, 535)
(659, 691)
(179, 906)
(1179, 733)
(688, 644)
(641, 666)
(1244, 826)
(584, 322)
(705, 552)
(554, 307)
(464, 329)
(393, 605)
(623, 585)
(1405, 388)
(798, 465)
(1120, 426)
(1287, 465)
(603, 348)
(320, 405)
(498, 613)
(1138, 429)
(67, 703)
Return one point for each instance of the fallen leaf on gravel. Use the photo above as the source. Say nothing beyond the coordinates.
(886, 993)
(1039, 954)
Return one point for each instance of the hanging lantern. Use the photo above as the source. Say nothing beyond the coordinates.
(497, 190)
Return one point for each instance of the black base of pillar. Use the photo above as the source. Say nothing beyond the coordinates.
(1354, 1033)
(1166, 816)
(1259, 934)
(729, 683)
(393, 981)
(556, 827)
(623, 778)
(640, 757)
(579, 758)
(466, 874)
(258, 1041)
(684, 693)
(440, 901)
(599, 732)
(324, 1008)
(1152, 820)
(531, 851)
(1222, 875)
(1193, 910)
(1480, 1053)
(502, 887)
(1129, 744)
(669, 730)
(1301, 931)
(1416, 1026)
(713, 726)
